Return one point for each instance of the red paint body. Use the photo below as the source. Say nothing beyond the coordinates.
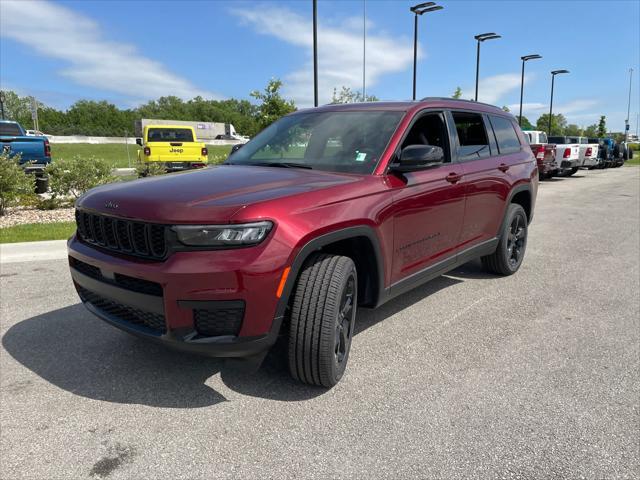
(402, 211)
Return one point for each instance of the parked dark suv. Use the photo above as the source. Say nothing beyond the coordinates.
(326, 210)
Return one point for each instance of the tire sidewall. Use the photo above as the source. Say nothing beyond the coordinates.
(514, 210)
(337, 370)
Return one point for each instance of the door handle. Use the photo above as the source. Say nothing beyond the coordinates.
(503, 167)
(453, 178)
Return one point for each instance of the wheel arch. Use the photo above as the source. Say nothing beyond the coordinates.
(361, 244)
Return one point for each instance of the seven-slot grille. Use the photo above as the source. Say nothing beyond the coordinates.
(124, 236)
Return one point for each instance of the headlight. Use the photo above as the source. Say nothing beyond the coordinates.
(222, 235)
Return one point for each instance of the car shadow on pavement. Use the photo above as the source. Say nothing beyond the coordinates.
(79, 353)
(273, 381)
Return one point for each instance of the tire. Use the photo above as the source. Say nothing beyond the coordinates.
(630, 153)
(323, 315)
(572, 171)
(505, 261)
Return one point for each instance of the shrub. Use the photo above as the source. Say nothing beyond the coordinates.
(14, 183)
(150, 169)
(74, 176)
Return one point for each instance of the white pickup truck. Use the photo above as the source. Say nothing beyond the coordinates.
(588, 151)
(567, 155)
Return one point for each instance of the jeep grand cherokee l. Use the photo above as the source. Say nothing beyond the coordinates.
(325, 211)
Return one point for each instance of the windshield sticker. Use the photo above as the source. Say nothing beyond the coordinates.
(360, 157)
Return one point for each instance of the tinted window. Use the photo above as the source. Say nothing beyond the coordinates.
(10, 130)
(429, 130)
(543, 137)
(170, 135)
(338, 141)
(594, 140)
(472, 136)
(506, 135)
(557, 140)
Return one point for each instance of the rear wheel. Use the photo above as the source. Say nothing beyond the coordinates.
(572, 171)
(323, 316)
(507, 258)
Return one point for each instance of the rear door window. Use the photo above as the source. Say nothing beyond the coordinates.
(506, 136)
(472, 136)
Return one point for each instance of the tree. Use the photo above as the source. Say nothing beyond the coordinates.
(346, 95)
(505, 108)
(602, 126)
(558, 124)
(573, 130)
(457, 94)
(272, 106)
(591, 131)
(526, 124)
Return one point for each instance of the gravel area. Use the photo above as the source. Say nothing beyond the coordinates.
(23, 215)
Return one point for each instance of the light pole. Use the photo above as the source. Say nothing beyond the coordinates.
(524, 59)
(626, 122)
(1, 105)
(315, 53)
(481, 38)
(419, 10)
(553, 77)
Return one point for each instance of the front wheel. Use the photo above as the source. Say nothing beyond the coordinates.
(507, 258)
(323, 316)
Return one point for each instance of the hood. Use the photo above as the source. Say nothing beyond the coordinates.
(208, 195)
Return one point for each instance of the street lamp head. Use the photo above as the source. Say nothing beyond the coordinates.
(425, 8)
(415, 9)
(430, 9)
(486, 36)
(557, 72)
(530, 57)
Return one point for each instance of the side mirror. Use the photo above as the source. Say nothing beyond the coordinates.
(235, 148)
(418, 157)
(139, 141)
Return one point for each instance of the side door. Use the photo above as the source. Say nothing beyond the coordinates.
(428, 205)
(484, 181)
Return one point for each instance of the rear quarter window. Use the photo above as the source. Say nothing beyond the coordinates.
(506, 136)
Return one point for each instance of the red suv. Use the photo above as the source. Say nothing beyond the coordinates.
(326, 210)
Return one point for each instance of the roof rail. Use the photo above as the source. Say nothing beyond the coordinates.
(457, 100)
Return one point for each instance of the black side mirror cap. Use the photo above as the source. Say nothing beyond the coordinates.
(418, 157)
(139, 141)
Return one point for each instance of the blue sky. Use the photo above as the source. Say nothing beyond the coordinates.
(130, 51)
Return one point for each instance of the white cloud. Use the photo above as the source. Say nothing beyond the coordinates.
(59, 32)
(574, 110)
(492, 89)
(339, 52)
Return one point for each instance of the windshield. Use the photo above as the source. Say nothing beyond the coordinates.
(10, 129)
(350, 142)
(170, 135)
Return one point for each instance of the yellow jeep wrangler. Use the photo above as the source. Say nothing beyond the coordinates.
(174, 146)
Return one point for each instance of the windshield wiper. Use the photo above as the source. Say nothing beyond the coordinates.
(281, 165)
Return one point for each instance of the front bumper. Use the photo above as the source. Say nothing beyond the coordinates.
(170, 302)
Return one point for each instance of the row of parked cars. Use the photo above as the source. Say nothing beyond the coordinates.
(564, 155)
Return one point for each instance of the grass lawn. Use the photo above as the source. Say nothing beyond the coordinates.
(635, 161)
(34, 232)
(116, 153)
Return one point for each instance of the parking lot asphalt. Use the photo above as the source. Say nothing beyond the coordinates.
(471, 375)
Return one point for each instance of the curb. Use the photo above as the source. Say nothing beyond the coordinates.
(33, 251)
